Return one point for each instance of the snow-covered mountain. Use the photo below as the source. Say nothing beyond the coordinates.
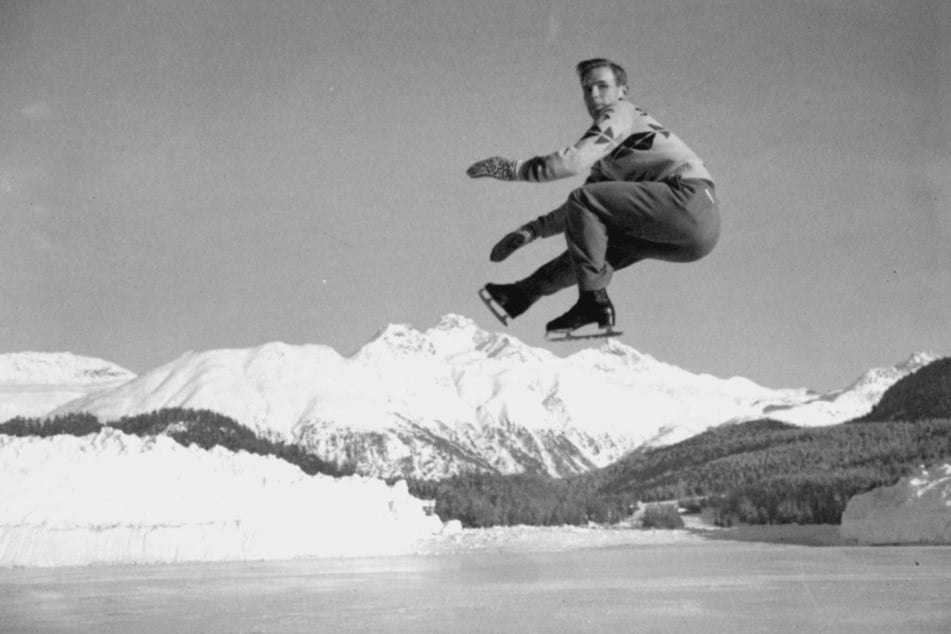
(852, 402)
(455, 398)
(33, 383)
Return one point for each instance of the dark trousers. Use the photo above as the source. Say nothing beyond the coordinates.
(611, 225)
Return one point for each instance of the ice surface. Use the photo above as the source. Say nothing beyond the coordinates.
(115, 498)
(682, 587)
(916, 510)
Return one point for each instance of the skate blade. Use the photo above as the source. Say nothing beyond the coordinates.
(568, 335)
(494, 307)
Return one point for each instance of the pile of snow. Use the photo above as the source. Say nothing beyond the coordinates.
(916, 510)
(115, 498)
(33, 383)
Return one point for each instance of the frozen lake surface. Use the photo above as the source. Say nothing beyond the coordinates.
(511, 582)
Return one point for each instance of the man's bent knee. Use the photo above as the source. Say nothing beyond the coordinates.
(578, 199)
(701, 248)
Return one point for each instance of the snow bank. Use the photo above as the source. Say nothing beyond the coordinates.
(115, 498)
(916, 510)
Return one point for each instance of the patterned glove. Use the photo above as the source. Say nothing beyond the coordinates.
(511, 243)
(496, 167)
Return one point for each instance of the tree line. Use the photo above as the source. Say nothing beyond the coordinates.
(799, 475)
(482, 499)
(203, 428)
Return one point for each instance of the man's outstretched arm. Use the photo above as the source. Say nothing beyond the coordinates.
(610, 128)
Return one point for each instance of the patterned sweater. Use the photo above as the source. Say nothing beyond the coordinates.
(623, 144)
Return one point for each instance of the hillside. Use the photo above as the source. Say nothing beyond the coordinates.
(773, 475)
(761, 471)
(769, 471)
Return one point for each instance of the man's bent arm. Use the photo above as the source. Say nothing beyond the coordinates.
(604, 135)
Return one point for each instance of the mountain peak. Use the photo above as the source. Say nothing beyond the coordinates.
(613, 355)
(630, 356)
(397, 341)
(919, 360)
(877, 379)
(452, 322)
(453, 336)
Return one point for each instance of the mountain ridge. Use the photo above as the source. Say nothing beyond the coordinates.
(33, 383)
(450, 399)
(58, 368)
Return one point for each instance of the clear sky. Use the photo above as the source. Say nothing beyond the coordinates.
(190, 175)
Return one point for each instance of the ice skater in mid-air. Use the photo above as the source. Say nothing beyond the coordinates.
(647, 195)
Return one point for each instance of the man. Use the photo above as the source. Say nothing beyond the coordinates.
(647, 195)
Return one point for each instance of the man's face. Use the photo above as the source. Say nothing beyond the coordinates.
(601, 90)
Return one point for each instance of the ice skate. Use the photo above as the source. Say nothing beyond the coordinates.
(593, 307)
(505, 301)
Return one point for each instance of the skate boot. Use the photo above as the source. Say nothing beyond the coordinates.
(592, 307)
(506, 301)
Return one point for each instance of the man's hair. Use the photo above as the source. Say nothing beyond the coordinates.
(620, 76)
